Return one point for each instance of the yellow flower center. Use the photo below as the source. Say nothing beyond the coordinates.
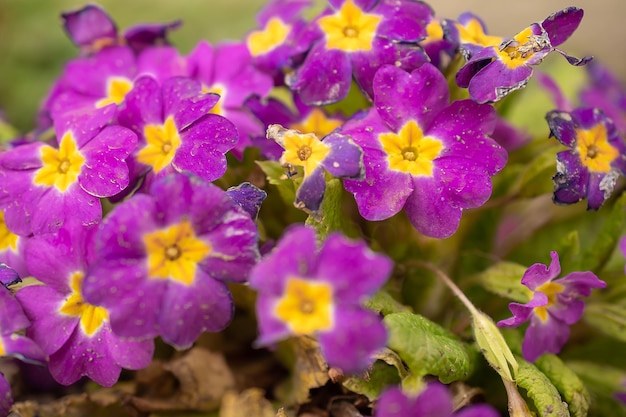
(304, 150)
(410, 151)
(522, 48)
(117, 88)
(2, 349)
(473, 33)
(61, 167)
(434, 32)
(162, 142)
(8, 239)
(174, 253)
(306, 307)
(91, 317)
(350, 29)
(220, 90)
(596, 153)
(551, 289)
(317, 123)
(273, 35)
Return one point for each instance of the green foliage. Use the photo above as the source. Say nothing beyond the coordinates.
(383, 302)
(493, 346)
(427, 348)
(541, 391)
(535, 177)
(610, 319)
(504, 279)
(379, 377)
(276, 176)
(572, 389)
(603, 382)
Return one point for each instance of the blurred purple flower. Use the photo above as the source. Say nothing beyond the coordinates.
(606, 92)
(166, 258)
(555, 305)
(434, 401)
(422, 154)
(76, 335)
(304, 290)
(596, 157)
(495, 71)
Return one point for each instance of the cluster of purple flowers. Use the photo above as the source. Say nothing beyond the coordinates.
(109, 204)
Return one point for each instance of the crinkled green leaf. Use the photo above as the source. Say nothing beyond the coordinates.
(603, 382)
(379, 377)
(493, 346)
(608, 318)
(572, 389)
(541, 391)
(427, 348)
(383, 302)
(599, 251)
(504, 279)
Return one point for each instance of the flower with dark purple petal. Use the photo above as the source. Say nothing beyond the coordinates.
(177, 131)
(8, 275)
(44, 185)
(75, 334)
(554, 306)
(434, 400)
(336, 153)
(495, 71)
(439, 49)
(469, 32)
(353, 39)
(596, 157)
(605, 91)
(306, 290)
(92, 29)
(227, 70)
(422, 154)
(12, 343)
(166, 258)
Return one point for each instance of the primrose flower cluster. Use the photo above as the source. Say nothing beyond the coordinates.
(132, 213)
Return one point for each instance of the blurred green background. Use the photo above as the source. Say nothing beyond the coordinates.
(34, 48)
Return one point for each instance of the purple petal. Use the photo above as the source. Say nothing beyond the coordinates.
(562, 127)
(477, 410)
(143, 105)
(84, 123)
(347, 336)
(129, 353)
(311, 191)
(496, 80)
(562, 24)
(478, 62)
(140, 37)
(537, 274)
(580, 284)
(271, 329)
(430, 211)
(8, 275)
(55, 208)
(523, 312)
(6, 399)
(393, 403)
(248, 197)
(544, 337)
(403, 21)
(294, 255)
(12, 318)
(353, 270)
(24, 349)
(345, 159)
(183, 99)
(89, 25)
(571, 180)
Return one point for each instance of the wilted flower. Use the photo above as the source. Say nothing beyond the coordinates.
(495, 71)
(596, 157)
(435, 400)
(75, 334)
(166, 258)
(304, 290)
(555, 305)
(433, 158)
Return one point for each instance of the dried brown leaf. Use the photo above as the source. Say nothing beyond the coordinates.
(250, 402)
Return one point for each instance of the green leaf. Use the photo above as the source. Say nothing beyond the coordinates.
(427, 348)
(599, 251)
(603, 382)
(331, 216)
(276, 176)
(567, 382)
(536, 179)
(504, 279)
(379, 377)
(610, 319)
(383, 302)
(540, 390)
(493, 346)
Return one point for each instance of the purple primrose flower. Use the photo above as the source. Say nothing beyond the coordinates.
(555, 305)
(433, 158)
(605, 91)
(75, 334)
(12, 249)
(336, 153)
(434, 401)
(469, 32)
(12, 343)
(166, 258)
(353, 39)
(596, 157)
(494, 71)
(304, 290)
(43, 185)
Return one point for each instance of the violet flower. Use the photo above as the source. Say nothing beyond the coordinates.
(594, 161)
(12, 343)
(91, 29)
(605, 91)
(434, 401)
(75, 334)
(432, 158)
(227, 70)
(166, 258)
(305, 290)
(495, 71)
(336, 153)
(555, 305)
(353, 39)
(42, 185)
(12, 248)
